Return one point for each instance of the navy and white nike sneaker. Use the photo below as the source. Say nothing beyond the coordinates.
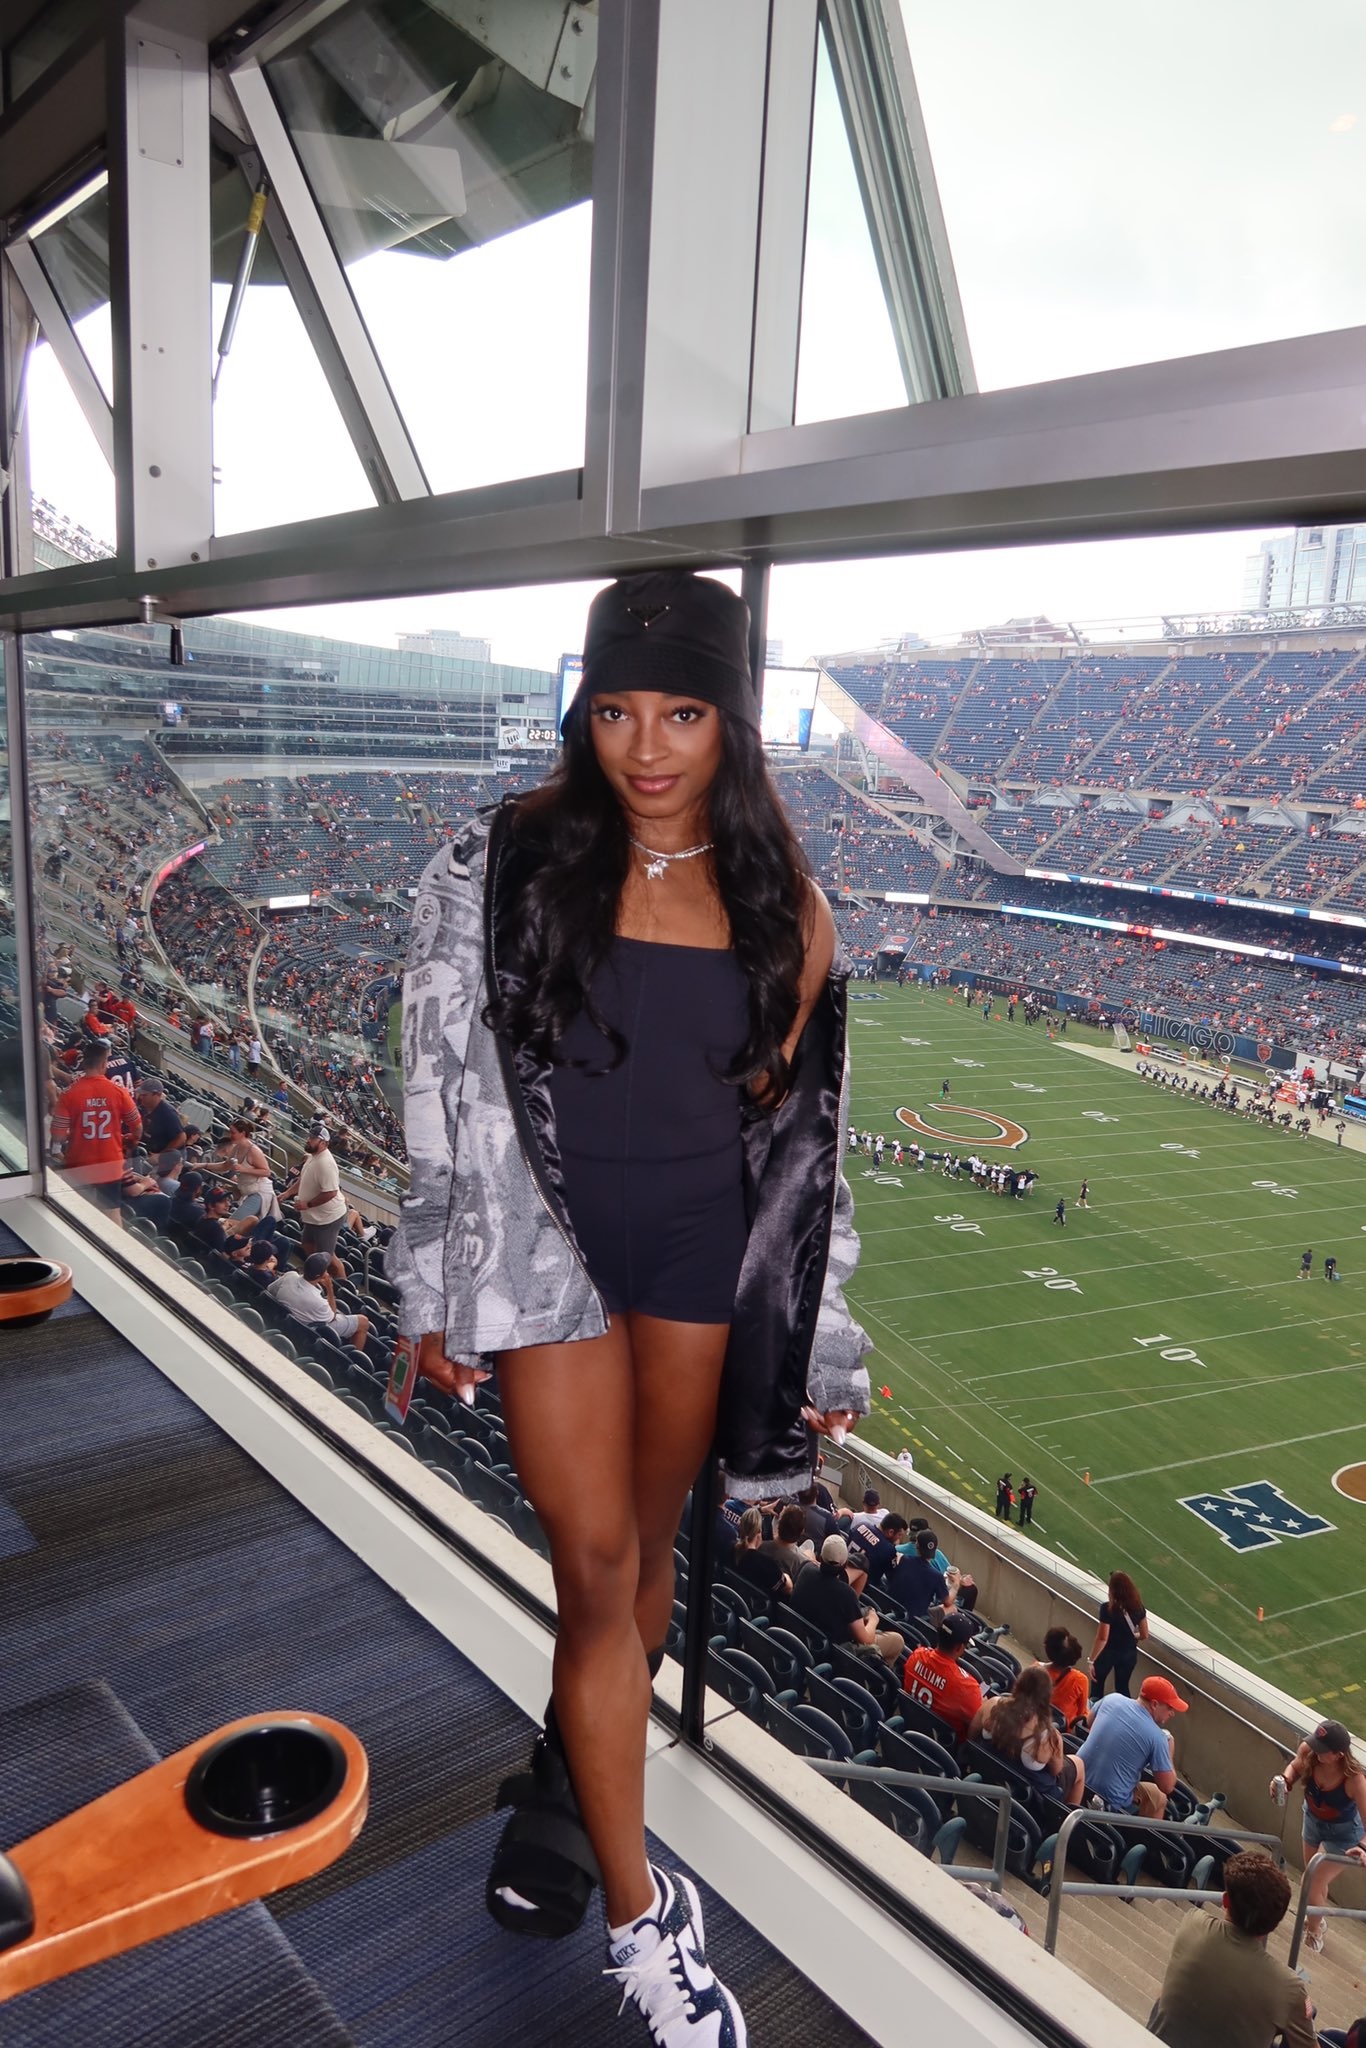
(662, 1969)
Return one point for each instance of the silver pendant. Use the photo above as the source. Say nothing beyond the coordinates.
(655, 868)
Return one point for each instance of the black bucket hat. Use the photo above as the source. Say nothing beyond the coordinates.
(674, 632)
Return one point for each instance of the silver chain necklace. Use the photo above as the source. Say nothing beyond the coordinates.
(658, 862)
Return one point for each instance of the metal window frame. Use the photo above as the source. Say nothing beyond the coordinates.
(158, 107)
(686, 454)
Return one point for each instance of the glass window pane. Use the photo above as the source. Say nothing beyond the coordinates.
(844, 309)
(74, 252)
(454, 182)
(1114, 197)
(282, 792)
(45, 40)
(281, 447)
(72, 484)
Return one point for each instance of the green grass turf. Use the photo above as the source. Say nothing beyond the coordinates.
(992, 1370)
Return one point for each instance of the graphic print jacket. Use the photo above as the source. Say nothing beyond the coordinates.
(485, 1251)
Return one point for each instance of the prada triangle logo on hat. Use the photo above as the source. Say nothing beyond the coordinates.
(673, 632)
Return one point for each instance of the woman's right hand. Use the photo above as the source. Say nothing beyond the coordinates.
(446, 1373)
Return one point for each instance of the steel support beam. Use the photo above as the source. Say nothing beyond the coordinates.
(793, 32)
(18, 334)
(400, 470)
(704, 236)
(159, 276)
(1266, 434)
(623, 155)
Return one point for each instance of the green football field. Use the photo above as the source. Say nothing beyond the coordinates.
(1159, 1342)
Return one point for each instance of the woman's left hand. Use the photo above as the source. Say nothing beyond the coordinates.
(834, 1423)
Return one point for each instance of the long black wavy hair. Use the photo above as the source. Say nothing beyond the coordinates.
(567, 915)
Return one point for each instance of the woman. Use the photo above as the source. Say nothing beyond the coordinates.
(1123, 1625)
(240, 1151)
(1070, 1695)
(1019, 1724)
(760, 1568)
(1334, 1810)
(626, 1187)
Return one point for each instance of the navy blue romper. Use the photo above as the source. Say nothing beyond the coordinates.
(650, 1151)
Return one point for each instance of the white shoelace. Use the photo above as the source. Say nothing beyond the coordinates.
(655, 1987)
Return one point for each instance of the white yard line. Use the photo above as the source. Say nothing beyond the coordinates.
(1309, 1649)
(1312, 1436)
(1125, 1308)
(1329, 1600)
(1105, 1357)
(1105, 1541)
(1200, 1394)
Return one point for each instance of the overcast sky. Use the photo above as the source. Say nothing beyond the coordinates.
(1116, 188)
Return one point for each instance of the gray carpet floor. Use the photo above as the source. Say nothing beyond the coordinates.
(168, 1586)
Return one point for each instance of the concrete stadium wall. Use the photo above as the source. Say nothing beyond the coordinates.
(1240, 1730)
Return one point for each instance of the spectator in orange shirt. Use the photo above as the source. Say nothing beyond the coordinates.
(936, 1679)
(1071, 1693)
(90, 1124)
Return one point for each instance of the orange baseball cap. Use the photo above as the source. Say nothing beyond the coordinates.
(1162, 1693)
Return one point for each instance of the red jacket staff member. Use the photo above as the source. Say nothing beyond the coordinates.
(90, 1123)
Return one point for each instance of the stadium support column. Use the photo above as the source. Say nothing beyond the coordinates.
(160, 286)
(754, 590)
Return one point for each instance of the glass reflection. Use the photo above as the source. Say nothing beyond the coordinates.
(225, 856)
(74, 252)
(453, 175)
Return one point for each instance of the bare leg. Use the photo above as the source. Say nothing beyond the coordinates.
(677, 1377)
(570, 1415)
(638, 1407)
(1318, 1891)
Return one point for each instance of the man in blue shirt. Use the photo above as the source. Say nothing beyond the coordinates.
(873, 1550)
(916, 1581)
(1127, 1738)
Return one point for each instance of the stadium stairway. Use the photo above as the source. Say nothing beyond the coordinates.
(1122, 1946)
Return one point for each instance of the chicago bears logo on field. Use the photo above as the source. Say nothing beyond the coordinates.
(1253, 1516)
(1003, 1130)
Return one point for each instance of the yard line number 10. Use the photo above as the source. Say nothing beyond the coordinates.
(1179, 1354)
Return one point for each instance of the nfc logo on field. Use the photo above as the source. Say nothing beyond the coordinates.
(1253, 1516)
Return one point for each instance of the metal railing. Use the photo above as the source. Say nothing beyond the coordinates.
(1059, 1887)
(975, 1788)
(1324, 1912)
